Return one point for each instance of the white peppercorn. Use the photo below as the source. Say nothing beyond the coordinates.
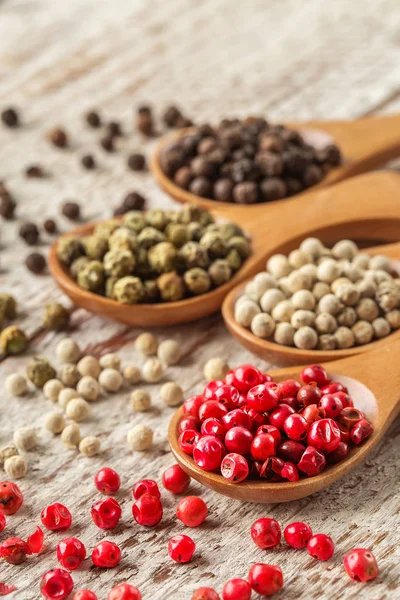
(16, 467)
(68, 351)
(348, 294)
(245, 312)
(146, 344)
(283, 311)
(140, 438)
(312, 246)
(326, 342)
(266, 279)
(310, 270)
(344, 338)
(263, 325)
(132, 374)
(16, 385)
(77, 409)
(380, 262)
(140, 400)
(382, 276)
(25, 439)
(305, 338)
(388, 296)
(169, 352)
(298, 280)
(152, 370)
(325, 323)
(90, 445)
(366, 288)
(88, 388)
(89, 365)
(298, 258)
(255, 289)
(171, 394)
(361, 261)
(66, 395)
(353, 273)
(110, 361)
(347, 316)
(338, 282)
(328, 270)
(393, 318)
(71, 435)
(363, 332)
(303, 299)
(284, 286)
(54, 422)
(367, 309)
(330, 304)
(345, 249)
(320, 290)
(6, 452)
(381, 327)
(278, 266)
(302, 318)
(69, 375)
(215, 369)
(284, 333)
(325, 257)
(270, 299)
(52, 389)
(111, 380)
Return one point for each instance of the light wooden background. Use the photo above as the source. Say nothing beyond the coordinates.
(285, 59)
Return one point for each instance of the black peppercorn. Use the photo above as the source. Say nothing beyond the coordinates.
(223, 189)
(29, 233)
(171, 159)
(93, 119)
(183, 122)
(273, 188)
(330, 155)
(201, 186)
(144, 120)
(171, 116)
(107, 143)
(137, 162)
(312, 175)
(58, 137)
(10, 117)
(271, 143)
(7, 207)
(132, 201)
(35, 262)
(245, 193)
(35, 171)
(269, 164)
(50, 226)
(71, 210)
(183, 177)
(114, 129)
(202, 167)
(295, 161)
(88, 161)
(293, 186)
(206, 145)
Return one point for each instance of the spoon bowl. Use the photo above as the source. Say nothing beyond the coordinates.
(374, 393)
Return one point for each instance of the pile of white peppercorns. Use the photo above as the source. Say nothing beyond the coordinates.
(322, 298)
(81, 380)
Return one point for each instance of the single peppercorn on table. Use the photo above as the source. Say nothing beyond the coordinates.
(213, 59)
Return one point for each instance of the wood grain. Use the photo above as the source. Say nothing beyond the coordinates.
(287, 60)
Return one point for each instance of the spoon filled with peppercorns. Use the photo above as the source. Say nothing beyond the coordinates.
(281, 436)
(251, 161)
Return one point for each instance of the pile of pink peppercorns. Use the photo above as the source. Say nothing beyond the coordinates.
(249, 426)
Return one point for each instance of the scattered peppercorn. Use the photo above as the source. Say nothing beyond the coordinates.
(137, 162)
(114, 129)
(7, 207)
(35, 171)
(88, 161)
(71, 210)
(144, 120)
(50, 226)
(107, 143)
(58, 137)
(29, 233)
(132, 201)
(93, 119)
(10, 117)
(56, 316)
(35, 262)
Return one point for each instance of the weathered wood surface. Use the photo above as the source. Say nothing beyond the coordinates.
(285, 59)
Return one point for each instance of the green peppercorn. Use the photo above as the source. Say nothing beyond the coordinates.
(234, 259)
(149, 236)
(56, 316)
(193, 212)
(214, 244)
(241, 244)
(129, 290)
(197, 281)
(123, 238)
(13, 340)
(40, 371)
(220, 272)
(78, 265)
(196, 231)
(109, 287)
(134, 219)
(106, 228)
(119, 263)
(157, 218)
(163, 257)
(96, 246)
(177, 234)
(69, 248)
(91, 277)
(171, 287)
(194, 255)
(8, 306)
(151, 291)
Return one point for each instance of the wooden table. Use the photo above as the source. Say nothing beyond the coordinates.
(283, 59)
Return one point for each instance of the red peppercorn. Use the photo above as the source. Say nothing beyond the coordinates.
(278, 415)
(288, 388)
(188, 423)
(312, 413)
(312, 462)
(266, 533)
(238, 440)
(291, 451)
(271, 469)
(191, 406)
(257, 418)
(245, 377)
(3, 522)
(234, 468)
(332, 405)
(309, 394)
(14, 550)
(70, 553)
(292, 402)
(263, 446)
(262, 397)
(35, 541)
(106, 513)
(350, 416)
(271, 429)
(205, 593)
(211, 388)
(208, 453)
(344, 433)
(107, 481)
(361, 565)
(175, 479)
(56, 517)
(84, 595)
(296, 427)
(290, 472)
(236, 589)
(320, 546)
(145, 486)
(212, 408)
(361, 431)
(147, 510)
(181, 548)
(11, 498)
(339, 454)
(213, 427)
(106, 554)
(124, 591)
(333, 387)
(227, 395)
(315, 373)
(345, 399)
(297, 534)
(237, 418)
(56, 584)
(192, 511)
(188, 439)
(324, 435)
(265, 579)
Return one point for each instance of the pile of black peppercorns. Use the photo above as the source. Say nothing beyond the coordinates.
(246, 161)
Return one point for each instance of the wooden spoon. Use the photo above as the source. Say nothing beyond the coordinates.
(373, 381)
(365, 144)
(364, 208)
(285, 355)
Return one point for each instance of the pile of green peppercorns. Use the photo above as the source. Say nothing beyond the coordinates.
(160, 256)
